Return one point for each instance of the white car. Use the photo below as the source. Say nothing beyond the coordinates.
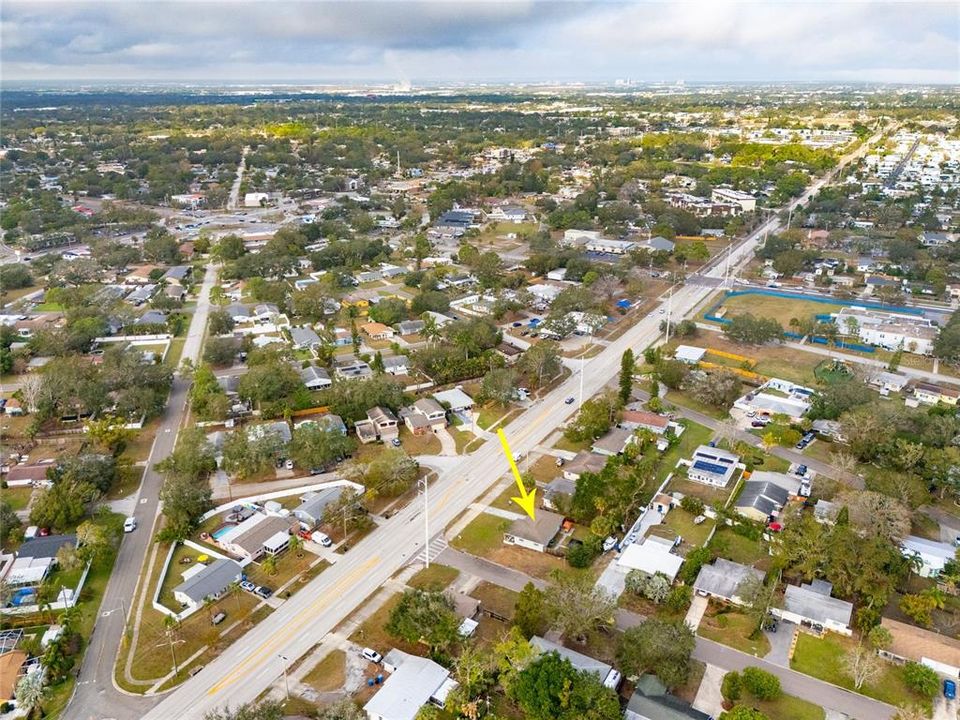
(321, 538)
(371, 655)
(129, 525)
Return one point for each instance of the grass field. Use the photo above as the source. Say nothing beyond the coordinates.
(788, 707)
(694, 436)
(740, 549)
(681, 522)
(733, 629)
(17, 497)
(329, 674)
(434, 578)
(823, 657)
(482, 536)
(779, 308)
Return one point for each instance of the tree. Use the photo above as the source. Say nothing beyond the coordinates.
(921, 679)
(626, 376)
(31, 692)
(8, 521)
(426, 617)
(594, 419)
(529, 613)
(761, 684)
(659, 646)
(109, 432)
(185, 493)
(755, 597)
(219, 322)
(875, 514)
(269, 565)
(390, 474)
(314, 446)
(672, 373)
(220, 352)
(550, 688)
(862, 664)
(264, 710)
(575, 605)
(719, 389)
(93, 542)
(344, 709)
(540, 362)
(751, 330)
(499, 385)
(742, 712)
(245, 457)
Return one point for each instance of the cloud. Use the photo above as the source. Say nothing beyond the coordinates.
(320, 41)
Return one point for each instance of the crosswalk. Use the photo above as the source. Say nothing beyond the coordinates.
(437, 546)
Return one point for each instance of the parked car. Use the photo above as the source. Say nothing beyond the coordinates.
(371, 655)
(219, 618)
(949, 689)
(395, 442)
(289, 464)
(802, 470)
(517, 324)
(758, 424)
(43, 532)
(321, 538)
(609, 544)
(248, 586)
(559, 462)
(130, 524)
(263, 591)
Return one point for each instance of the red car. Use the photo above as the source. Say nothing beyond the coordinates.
(43, 532)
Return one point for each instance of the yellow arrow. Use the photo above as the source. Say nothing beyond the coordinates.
(526, 500)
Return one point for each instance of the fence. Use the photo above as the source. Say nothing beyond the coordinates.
(67, 601)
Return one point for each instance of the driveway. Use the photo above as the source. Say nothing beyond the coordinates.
(695, 613)
(709, 699)
(447, 444)
(944, 709)
(780, 643)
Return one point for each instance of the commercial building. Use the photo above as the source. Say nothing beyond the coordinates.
(746, 201)
(889, 330)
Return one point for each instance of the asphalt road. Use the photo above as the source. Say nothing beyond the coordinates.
(95, 695)
(251, 664)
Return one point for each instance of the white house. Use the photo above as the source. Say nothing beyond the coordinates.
(653, 555)
(712, 466)
(456, 399)
(207, 581)
(746, 201)
(810, 605)
(414, 681)
(931, 554)
(723, 578)
(534, 534)
(608, 675)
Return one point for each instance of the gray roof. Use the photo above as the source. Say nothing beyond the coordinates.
(660, 243)
(178, 272)
(152, 317)
(614, 441)
(408, 689)
(45, 547)
(585, 462)
(212, 580)
(723, 578)
(578, 660)
(304, 337)
(311, 374)
(763, 496)
(651, 701)
(813, 601)
(560, 485)
(314, 504)
(396, 361)
(409, 327)
(540, 530)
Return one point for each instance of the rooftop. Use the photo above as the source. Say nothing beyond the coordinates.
(723, 577)
(541, 530)
(813, 601)
(408, 689)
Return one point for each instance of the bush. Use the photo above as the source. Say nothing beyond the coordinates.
(692, 505)
(583, 554)
(761, 684)
(732, 686)
(679, 598)
(921, 679)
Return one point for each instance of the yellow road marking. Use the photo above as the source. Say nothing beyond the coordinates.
(294, 625)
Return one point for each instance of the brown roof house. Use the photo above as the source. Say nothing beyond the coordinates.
(914, 644)
(381, 424)
(534, 534)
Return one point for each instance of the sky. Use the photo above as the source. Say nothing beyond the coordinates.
(443, 41)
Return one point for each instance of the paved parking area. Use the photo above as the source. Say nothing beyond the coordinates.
(780, 642)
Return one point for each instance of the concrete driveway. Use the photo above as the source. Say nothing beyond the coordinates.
(780, 643)
(448, 445)
(944, 709)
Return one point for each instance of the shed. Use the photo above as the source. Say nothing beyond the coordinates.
(689, 354)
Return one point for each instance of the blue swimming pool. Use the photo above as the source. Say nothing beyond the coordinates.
(220, 531)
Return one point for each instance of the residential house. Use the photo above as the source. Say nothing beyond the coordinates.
(396, 365)
(175, 292)
(377, 331)
(931, 394)
(414, 682)
(142, 294)
(584, 462)
(507, 213)
(207, 581)
(610, 247)
(723, 579)
(608, 675)
(280, 429)
(32, 474)
(930, 555)
(381, 424)
(342, 337)
(178, 274)
(510, 353)
(327, 423)
(643, 420)
(557, 493)
(140, 275)
(353, 369)
(315, 378)
(811, 606)
(652, 555)
(761, 501)
(304, 338)
(151, 317)
(312, 506)
(614, 442)
(658, 244)
(12, 664)
(257, 535)
(931, 239)
(455, 399)
(534, 534)
(712, 466)
(237, 312)
(36, 558)
(651, 701)
(424, 415)
(410, 327)
(913, 644)
(689, 354)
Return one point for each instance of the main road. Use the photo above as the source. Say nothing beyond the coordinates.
(95, 695)
(254, 661)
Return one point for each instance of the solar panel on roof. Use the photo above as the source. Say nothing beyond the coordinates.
(709, 467)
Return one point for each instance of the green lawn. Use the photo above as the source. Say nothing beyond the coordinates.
(787, 707)
(436, 577)
(571, 446)
(694, 436)
(681, 522)
(779, 308)
(329, 674)
(822, 658)
(17, 497)
(733, 629)
(738, 548)
(482, 536)
(678, 397)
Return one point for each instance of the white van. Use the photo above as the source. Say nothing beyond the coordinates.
(321, 538)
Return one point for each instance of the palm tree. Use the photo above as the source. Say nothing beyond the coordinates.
(430, 329)
(234, 589)
(30, 692)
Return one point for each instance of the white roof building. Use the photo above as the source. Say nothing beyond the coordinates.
(653, 555)
(414, 682)
(932, 555)
(689, 354)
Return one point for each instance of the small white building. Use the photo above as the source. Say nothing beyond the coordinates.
(414, 681)
(653, 555)
(931, 555)
(255, 199)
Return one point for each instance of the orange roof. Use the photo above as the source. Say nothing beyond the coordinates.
(10, 664)
(374, 328)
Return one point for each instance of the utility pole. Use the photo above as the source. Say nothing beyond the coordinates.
(669, 313)
(426, 520)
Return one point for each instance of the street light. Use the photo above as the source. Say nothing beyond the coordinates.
(286, 685)
(426, 520)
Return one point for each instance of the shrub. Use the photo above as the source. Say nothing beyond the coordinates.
(731, 687)
(921, 679)
(761, 684)
(582, 554)
(692, 505)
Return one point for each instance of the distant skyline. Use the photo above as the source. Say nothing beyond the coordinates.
(416, 42)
